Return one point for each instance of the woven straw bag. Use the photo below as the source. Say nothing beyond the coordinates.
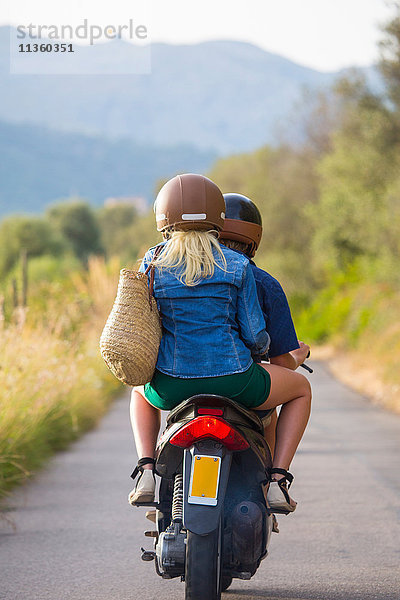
(131, 337)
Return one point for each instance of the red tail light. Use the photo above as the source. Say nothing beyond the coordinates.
(209, 427)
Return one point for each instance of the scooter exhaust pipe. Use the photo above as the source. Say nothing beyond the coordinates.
(247, 533)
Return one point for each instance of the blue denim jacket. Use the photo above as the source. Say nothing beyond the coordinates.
(213, 328)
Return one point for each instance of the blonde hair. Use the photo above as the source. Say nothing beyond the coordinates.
(191, 252)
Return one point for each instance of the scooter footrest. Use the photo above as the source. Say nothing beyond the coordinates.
(279, 512)
(151, 533)
(151, 515)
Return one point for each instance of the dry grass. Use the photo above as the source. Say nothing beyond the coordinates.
(53, 382)
(371, 364)
(366, 377)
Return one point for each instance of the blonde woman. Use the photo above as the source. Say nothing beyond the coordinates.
(212, 326)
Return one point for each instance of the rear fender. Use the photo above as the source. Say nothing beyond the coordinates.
(199, 518)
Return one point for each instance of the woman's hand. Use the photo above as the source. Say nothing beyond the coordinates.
(300, 354)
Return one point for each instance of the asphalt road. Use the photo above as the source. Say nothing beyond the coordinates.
(76, 538)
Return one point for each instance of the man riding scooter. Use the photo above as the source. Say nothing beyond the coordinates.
(242, 232)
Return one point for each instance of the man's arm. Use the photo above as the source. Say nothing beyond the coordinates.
(292, 359)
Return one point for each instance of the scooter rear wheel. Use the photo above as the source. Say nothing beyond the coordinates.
(203, 566)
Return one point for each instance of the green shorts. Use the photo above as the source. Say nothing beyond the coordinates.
(250, 389)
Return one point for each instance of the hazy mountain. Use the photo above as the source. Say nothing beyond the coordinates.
(38, 166)
(108, 135)
(230, 96)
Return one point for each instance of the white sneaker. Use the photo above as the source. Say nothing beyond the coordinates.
(144, 489)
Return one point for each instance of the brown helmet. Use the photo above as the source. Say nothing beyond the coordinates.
(190, 201)
(243, 222)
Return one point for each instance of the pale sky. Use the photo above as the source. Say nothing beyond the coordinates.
(323, 34)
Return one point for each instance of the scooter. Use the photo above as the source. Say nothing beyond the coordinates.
(212, 519)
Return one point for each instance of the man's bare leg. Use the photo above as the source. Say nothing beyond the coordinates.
(145, 420)
(270, 432)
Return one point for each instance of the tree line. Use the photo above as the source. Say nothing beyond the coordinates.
(72, 229)
(331, 204)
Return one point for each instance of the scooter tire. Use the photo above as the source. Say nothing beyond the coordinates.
(203, 566)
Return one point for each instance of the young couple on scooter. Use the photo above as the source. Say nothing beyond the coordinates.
(219, 314)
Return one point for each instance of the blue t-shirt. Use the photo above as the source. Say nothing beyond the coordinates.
(275, 308)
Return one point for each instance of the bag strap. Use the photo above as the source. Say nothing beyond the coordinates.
(150, 271)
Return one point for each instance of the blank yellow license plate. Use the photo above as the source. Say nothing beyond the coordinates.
(204, 479)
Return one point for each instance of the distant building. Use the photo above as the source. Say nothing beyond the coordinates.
(137, 202)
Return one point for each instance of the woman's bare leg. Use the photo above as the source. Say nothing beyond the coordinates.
(293, 391)
(145, 420)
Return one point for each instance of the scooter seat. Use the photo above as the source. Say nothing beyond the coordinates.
(233, 412)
